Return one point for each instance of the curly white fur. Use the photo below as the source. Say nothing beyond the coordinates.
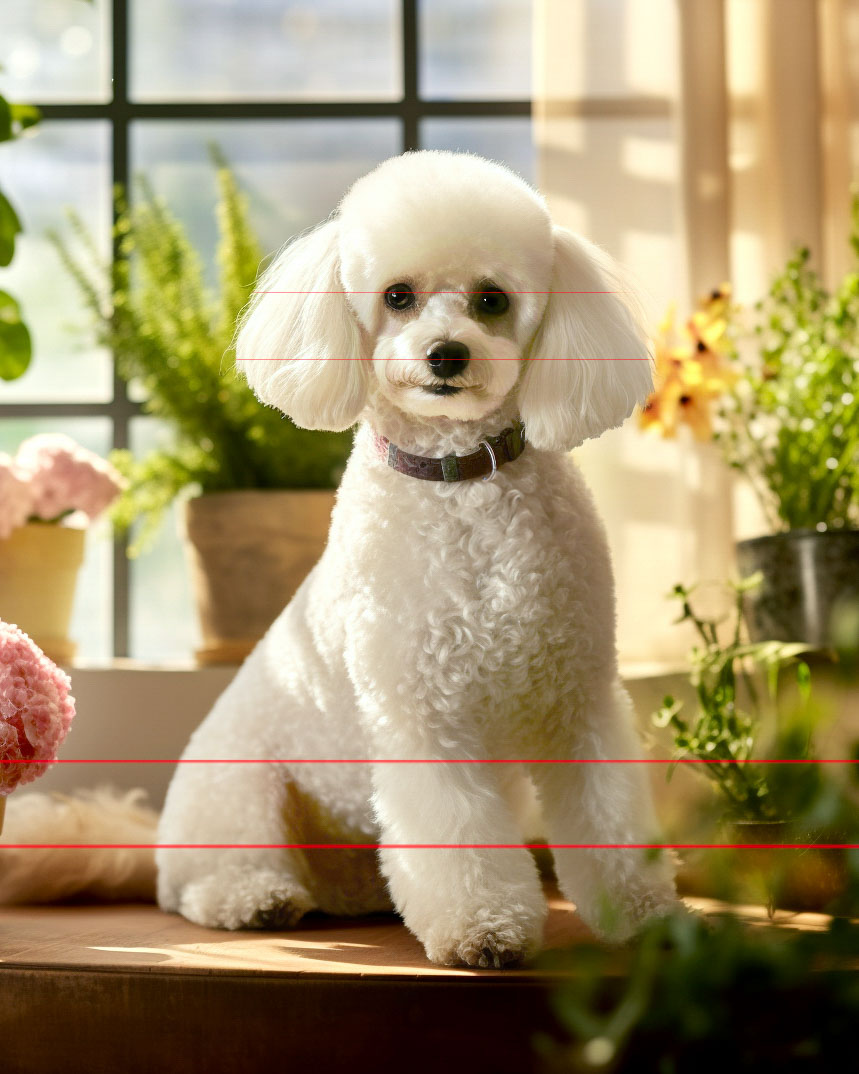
(443, 621)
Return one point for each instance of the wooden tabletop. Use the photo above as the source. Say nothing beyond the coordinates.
(139, 937)
(126, 987)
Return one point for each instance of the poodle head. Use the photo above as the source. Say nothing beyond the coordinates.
(441, 277)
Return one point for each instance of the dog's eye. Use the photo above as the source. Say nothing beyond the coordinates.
(399, 297)
(492, 301)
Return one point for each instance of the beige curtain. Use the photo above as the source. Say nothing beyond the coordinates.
(747, 111)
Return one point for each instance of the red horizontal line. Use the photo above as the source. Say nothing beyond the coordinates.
(514, 359)
(431, 760)
(429, 846)
(621, 291)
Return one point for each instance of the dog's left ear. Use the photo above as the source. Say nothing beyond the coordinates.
(589, 362)
(299, 344)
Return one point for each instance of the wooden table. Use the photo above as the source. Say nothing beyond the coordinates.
(127, 989)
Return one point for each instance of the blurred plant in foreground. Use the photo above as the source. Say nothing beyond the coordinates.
(16, 347)
(700, 994)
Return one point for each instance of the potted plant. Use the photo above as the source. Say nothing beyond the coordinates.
(782, 382)
(792, 801)
(48, 492)
(263, 488)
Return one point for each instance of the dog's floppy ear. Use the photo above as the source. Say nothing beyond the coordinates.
(589, 362)
(299, 344)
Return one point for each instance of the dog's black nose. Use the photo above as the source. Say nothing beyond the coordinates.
(447, 359)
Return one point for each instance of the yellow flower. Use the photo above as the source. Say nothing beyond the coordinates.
(654, 418)
(688, 405)
(691, 371)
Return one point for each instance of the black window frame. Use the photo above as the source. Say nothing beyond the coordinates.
(121, 111)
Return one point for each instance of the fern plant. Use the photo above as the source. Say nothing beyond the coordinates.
(172, 335)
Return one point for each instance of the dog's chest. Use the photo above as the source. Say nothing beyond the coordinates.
(508, 592)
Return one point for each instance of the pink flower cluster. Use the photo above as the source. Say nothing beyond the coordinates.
(50, 476)
(36, 708)
(15, 498)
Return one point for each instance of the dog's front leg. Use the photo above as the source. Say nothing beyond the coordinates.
(467, 904)
(602, 807)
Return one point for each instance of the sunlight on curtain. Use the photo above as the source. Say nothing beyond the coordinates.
(606, 77)
(697, 141)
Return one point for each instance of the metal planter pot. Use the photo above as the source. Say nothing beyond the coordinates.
(807, 577)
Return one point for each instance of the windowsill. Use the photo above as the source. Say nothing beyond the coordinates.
(630, 672)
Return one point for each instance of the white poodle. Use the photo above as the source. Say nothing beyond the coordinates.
(463, 609)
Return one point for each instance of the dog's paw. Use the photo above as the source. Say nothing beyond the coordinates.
(486, 940)
(619, 920)
(245, 899)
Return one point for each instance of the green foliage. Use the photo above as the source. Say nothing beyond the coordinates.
(708, 995)
(791, 424)
(16, 348)
(722, 730)
(174, 338)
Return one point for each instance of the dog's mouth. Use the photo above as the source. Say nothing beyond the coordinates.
(442, 389)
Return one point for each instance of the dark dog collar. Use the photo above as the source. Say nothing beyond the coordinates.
(493, 452)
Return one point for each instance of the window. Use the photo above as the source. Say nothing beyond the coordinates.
(303, 96)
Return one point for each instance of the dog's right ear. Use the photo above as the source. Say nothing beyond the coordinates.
(589, 362)
(298, 343)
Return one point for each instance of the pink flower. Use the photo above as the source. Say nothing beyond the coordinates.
(16, 499)
(66, 477)
(36, 708)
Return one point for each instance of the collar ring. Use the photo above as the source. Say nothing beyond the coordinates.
(488, 446)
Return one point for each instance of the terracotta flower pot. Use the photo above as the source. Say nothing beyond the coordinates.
(249, 551)
(39, 566)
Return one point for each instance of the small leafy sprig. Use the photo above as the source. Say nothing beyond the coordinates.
(722, 730)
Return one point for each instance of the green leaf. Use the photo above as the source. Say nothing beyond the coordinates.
(10, 226)
(803, 679)
(15, 346)
(6, 133)
(24, 116)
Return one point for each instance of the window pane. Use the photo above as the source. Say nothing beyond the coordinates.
(475, 49)
(65, 164)
(508, 141)
(91, 622)
(163, 626)
(55, 50)
(618, 179)
(294, 172)
(265, 50)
